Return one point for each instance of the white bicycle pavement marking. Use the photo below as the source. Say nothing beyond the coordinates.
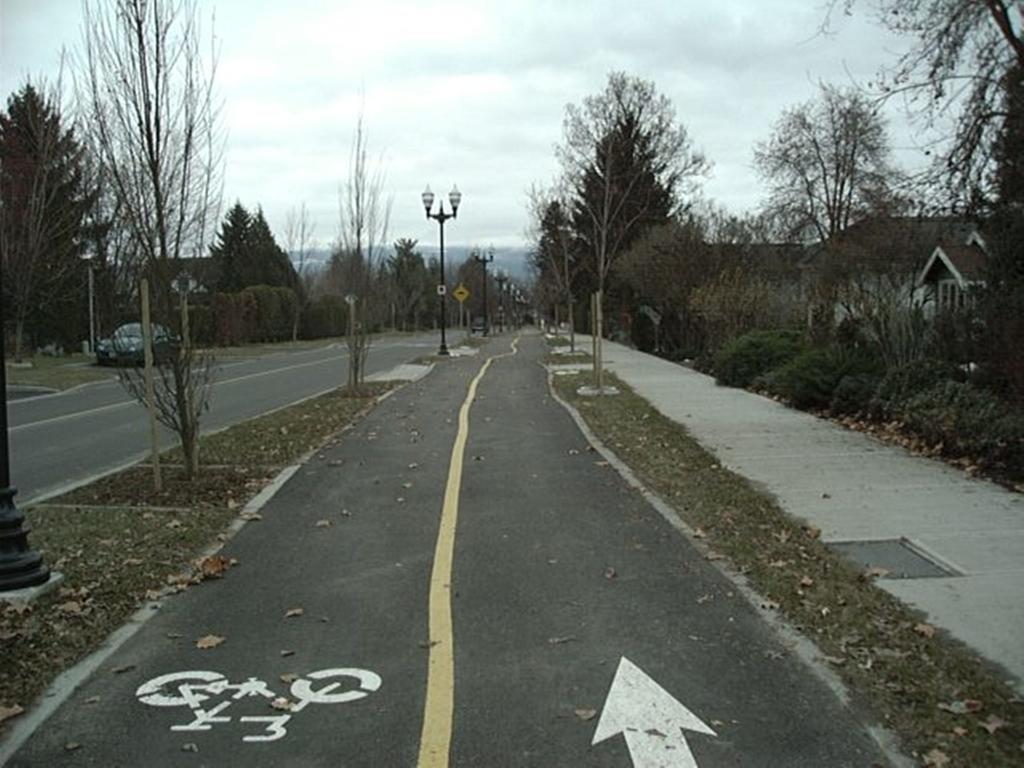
(193, 688)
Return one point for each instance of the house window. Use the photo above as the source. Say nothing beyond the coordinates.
(950, 295)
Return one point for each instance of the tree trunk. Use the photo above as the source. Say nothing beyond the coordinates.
(572, 325)
(19, 335)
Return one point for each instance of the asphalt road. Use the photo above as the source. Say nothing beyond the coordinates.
(569, 612)
(61, 439)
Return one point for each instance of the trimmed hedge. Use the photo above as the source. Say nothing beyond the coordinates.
(753, 354)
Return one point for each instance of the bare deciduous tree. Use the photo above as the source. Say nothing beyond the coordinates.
(148, 99)
(364, 215)
(961, 52)
(624, 157)
(298, 238)
(553, 251)
(826, 165)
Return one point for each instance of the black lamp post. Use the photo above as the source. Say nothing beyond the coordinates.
(19, 566)
(503, 285)
(454, 197)
(485, 260)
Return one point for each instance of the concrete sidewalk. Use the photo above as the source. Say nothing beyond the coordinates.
(856, 489)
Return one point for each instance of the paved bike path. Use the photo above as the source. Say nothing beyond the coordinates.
(560, 572)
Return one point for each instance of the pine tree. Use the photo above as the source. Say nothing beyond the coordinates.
(248, 254)
(231, 250)
(44, 202)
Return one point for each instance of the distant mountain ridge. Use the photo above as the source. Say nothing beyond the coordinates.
(513, 259)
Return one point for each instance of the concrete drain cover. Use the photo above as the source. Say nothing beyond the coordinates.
(899, 557)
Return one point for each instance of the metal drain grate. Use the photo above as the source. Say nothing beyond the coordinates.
(899, 557)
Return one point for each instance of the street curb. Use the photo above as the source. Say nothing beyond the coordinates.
(802, 647)
(67, 682)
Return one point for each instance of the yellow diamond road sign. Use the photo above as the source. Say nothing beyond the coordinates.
(461, 293)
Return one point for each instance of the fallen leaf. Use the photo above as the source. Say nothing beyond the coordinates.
(654, 732)
(936, 759)
(289, 678)
(698, 533)
(71, 746)
(771, 605)
(812, 531)
(585, 714)
(190, 747)
(174, 635)
(282, 704)
(875, 572)
(806, 581)
(924, 630)
(573, 452)
(209, 641)
(826, 495)
(714, 556)
(993, 724)
(71, 607)
(232, 504)
(600, 463)
(836, 660)
(414, 465)
(121, 670)
(960, 731)
(323, 523)
(287, 653)
(610, 573)
(6, 713)
(132, 561)
(214, 566)
(92, 700)
(293, 612)
(251, 516)
(961, 706)
(778, 564)
(561, 640)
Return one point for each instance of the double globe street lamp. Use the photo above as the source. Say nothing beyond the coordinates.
(454, 198)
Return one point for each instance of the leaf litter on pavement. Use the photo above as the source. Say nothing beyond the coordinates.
(118, 543)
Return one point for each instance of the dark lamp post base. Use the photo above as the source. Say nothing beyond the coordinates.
(443, 350)
(19, 566)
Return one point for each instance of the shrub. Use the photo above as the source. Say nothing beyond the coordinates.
(745, 358)
(854, 392)
(324, 317)
(968, 421)
(904, 382)
(811, 378)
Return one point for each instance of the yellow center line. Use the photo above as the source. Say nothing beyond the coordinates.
(439, 708)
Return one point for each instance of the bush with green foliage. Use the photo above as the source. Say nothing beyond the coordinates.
(967, 421)
(324, 317)
(904, 382)
(811, 379)
(275, 309)
(853, 393)
(753, 354)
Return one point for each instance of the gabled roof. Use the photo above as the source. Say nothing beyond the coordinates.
(967, 263)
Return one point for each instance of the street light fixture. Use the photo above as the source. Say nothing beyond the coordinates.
(485, 260)
(454, 198)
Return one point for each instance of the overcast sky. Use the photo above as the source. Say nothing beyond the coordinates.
(474, 92)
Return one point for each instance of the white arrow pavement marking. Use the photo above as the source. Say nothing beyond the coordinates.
(650, 718)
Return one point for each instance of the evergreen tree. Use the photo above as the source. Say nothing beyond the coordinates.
(231, 250)
(408, 274)
(248, 254)
(44, 203)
